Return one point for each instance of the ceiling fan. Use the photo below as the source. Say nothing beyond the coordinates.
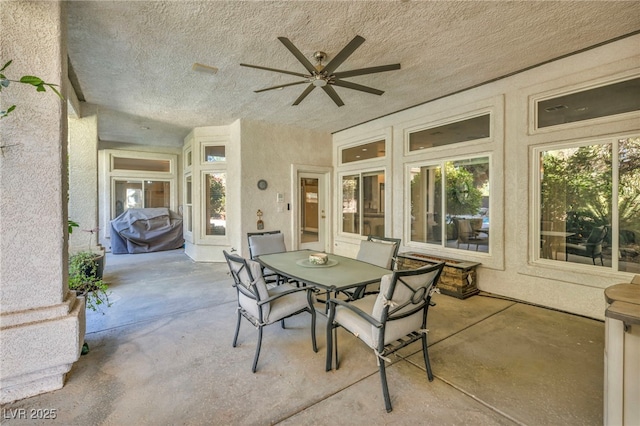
(324, 75)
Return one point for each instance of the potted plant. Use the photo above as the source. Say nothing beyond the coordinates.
(85, 280)
(85, 274)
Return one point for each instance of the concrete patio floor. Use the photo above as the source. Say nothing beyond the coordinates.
(162, 355)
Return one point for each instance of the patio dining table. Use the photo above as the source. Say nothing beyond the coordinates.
(338, 274)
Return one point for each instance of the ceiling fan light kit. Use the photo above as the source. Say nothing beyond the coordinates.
(323, 76)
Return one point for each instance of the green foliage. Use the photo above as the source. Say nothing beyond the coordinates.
(72, 224)
(577, 186)
(462, 195)
(84, 279)
(37, 82)
(218, 198)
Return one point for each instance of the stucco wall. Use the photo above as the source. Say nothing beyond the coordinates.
(510, 269)
(268, 152)
(83, 178)
(42, 323)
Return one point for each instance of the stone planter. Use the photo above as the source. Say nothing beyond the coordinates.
(458, 279)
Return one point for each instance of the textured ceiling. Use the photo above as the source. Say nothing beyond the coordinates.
(134, 59)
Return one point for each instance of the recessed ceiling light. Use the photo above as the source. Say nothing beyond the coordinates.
(204, 68)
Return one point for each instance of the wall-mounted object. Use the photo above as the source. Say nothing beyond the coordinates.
(260, 223)
(262, 184)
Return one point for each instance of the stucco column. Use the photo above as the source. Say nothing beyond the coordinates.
(83, 178)
(41, 321)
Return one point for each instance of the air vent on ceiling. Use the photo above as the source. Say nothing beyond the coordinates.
(204, 68)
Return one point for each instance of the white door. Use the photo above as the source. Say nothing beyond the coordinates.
(312, 211)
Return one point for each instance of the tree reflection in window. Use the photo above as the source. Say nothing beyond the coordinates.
(578, 190)
(215, 193)
(466, 189)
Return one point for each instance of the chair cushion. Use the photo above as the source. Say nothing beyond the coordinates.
(376, 253)
(356, 324)
(398, 328)
(267, 244)
(286, 305)
(260, 287)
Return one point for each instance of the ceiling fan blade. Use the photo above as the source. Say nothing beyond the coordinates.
(343, 55)
(333, 95)
(363, 71)
(303, 60)
(280, 86)
(304, 94)
(360, 87)
(275, 70)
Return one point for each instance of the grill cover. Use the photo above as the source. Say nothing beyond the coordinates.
(146, 230)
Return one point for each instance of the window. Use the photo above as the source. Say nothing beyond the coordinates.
(365, 151)
(188, 159)
(589, 209)
(215, 188)
(450, 203)
(612, 99)
(363, 204)
(213, 153)
(188, 201)
(451, 133)
(137, 194)
(141, 164)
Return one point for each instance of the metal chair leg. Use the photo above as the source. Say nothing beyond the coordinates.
(255, 359)
(329, 361)
(335, 346)
(313, 329)
(235, 338)
(425, 352)
(385, 387)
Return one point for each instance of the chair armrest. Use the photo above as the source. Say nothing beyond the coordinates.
(284, 293)
(374, 322)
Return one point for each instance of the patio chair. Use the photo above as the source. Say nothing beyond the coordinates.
(266, 243)
(467, 235)
(389, 321)
(262, 306)
(379, 251)
(592, 247)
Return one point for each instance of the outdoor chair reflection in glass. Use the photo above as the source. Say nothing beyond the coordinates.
(468, 235)
(592, 247)
(262, 306)
(388, 321)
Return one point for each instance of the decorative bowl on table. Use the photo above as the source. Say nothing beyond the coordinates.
(318, 259)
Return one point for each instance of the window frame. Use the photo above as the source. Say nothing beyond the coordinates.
(188, 213)
(377, 137)
(442, 247)
(203, 206)
(361, 172)
(489, 110)
(534, 100)
(535, 213)
(212, 143)
(210, 167)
